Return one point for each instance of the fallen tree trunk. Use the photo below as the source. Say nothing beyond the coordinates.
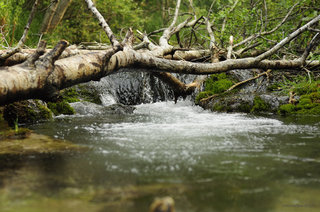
(42, 77)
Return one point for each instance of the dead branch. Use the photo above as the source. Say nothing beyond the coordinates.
(24, 35)
(288, 39)
(313, 43)
(104, 24)
(248, 80)
(254, 36)
(50, 73)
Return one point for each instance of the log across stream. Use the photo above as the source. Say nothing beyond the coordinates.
(205, 161)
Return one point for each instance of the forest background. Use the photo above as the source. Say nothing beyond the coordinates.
(239, 18)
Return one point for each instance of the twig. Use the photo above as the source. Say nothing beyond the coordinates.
(314, 42)
(254, 36)
(104, 24)
(24, 35)
(287, 39)
(247, 80)
(236, 85)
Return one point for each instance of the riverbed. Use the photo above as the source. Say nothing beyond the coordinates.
(205, 161)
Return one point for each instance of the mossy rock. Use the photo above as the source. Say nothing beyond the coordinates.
(259, 106)
(203, 95)
(80, 93)
(219, 107)
(218, 83)
(215, 84)
(29, 111)
(309, 104)
(70, 95)
(287, 109)
(62, 107)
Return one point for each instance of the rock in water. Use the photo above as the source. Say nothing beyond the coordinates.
(165, 204)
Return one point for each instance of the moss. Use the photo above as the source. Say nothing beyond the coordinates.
(259, 105)
(274, 87)
(20, 133)
(309, 104)
(245, 108)
(26, 112)
(287, 109)
(219, 107)
(70, 95)
(89, 95)
(215, 84)
(202, 95)
(80, 93)
(305, 100)
(305, 87)
(218, 83)
(315, 110)
(62, 107)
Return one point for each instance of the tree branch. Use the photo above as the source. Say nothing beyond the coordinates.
(254, 36)
(115, 43)
(288, 39)
(24, 35)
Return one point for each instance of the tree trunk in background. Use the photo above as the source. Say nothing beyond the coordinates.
(54, 15)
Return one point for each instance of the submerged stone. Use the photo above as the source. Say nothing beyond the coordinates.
(37, 144)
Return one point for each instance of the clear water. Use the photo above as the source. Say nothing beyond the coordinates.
(205, 161)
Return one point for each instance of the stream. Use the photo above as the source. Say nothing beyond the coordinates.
(205, 161)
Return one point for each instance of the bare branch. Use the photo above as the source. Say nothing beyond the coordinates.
(167, 32)
(35, 56)
(254, 36)
(104, 24)
(241, 51)
(248, 80)
(24, 35)
(53, 55)
(288, 39)
(314, 42)
(229, 54)
(210, 10)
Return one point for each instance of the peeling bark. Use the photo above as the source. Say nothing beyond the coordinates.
(41, 76)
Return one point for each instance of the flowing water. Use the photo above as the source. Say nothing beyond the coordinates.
(206, 161)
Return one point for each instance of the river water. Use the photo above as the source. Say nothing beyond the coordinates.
(205, 161)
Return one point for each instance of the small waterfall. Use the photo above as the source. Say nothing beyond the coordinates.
(133, 87)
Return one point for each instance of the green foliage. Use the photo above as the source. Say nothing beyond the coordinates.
(70, 95)
(299, 85)
(218, 83)
(259, 105)
(80, 93)
(309, 104)
(215, 84)
(26, 112)
(202, 95)
(59, 108)
(287, 109)
(309, 92)
(80, 25)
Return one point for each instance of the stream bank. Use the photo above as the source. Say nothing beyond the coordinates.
(278, 92)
